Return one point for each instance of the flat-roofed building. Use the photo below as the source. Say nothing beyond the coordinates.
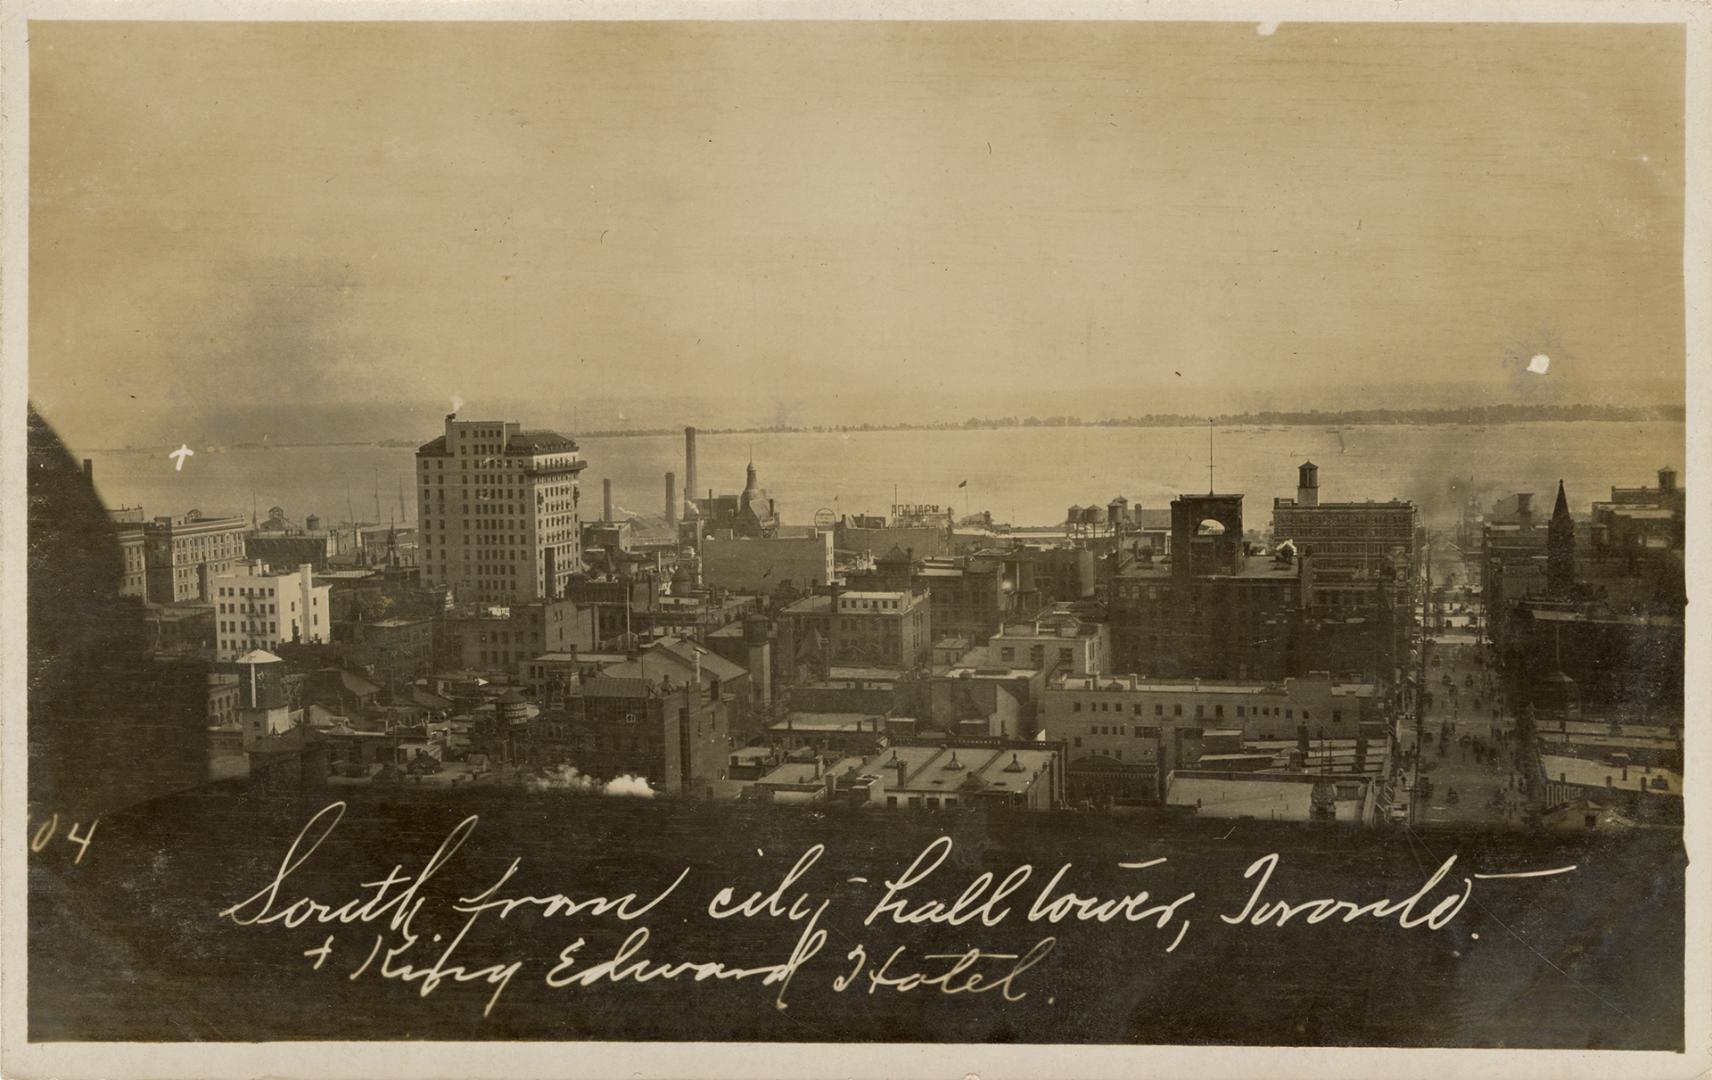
(763, 564)
(884, 628)
(1369, 536)
(664, 732)
(859, 732)
(1123, 733)
(970, 596)
(505, 637)
(256, 610)
(1351, 800)
(185, 554)
(995, 701)
(133, 552)
(962, 773)
(1052, 642)
(1640, 792)
(812, 780)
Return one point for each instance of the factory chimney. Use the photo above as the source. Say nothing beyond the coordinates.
(671, 500)
(689, 468)
(606, 500)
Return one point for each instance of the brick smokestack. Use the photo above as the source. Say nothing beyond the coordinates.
(689, 467)
(671, 500)
(606, 500)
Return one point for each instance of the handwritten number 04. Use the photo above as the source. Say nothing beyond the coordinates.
(45, 833)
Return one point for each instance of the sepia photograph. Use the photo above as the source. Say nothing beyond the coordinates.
(853, 546)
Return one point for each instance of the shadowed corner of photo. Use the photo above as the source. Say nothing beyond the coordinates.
(110, 724)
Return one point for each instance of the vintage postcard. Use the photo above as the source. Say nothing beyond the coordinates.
(804, 541)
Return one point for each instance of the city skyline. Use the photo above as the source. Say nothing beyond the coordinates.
(854, 536)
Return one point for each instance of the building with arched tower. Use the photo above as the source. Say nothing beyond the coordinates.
(1206, 534)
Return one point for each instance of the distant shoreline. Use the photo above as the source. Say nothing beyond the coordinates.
(1473, 416)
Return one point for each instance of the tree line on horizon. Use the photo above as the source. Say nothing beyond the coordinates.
(1465, 415)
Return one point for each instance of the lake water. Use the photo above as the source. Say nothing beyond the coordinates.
(1023, 475)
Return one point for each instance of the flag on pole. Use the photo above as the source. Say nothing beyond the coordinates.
(964, 484)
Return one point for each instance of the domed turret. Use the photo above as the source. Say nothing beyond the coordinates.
(751, 488)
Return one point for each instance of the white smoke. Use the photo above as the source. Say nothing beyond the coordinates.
(629, 785)
(561, 778)
(570, 778)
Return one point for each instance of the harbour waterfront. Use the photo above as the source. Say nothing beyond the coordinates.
(1028, 476)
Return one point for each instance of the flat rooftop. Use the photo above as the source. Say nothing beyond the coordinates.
(940, 770)
(1078, 683)
(991, 673)
(1585, 772)
(806, 773)
(829, 723)
(1255, 796)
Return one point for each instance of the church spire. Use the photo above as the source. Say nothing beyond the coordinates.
(1560, 547)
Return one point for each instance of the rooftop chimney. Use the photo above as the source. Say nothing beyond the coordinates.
(1667, 478)
(671, 500)
(606, 499)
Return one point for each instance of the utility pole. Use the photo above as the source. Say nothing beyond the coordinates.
(1209, 455)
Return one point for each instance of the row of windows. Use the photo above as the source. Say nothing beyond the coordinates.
(1037, 654)
(1114, 751)
(918, 802)
(1287, 712)
(253, 608)
(235, 625)
(1138, 732)
(869, 605)
(507, 637)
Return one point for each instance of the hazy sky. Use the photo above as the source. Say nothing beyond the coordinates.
(785, 212)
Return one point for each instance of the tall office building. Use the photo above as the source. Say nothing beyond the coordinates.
(498, 511)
